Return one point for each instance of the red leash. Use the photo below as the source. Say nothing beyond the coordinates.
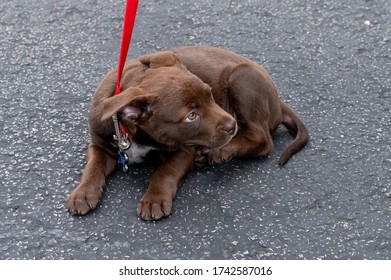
(129, 19)
(121, 134)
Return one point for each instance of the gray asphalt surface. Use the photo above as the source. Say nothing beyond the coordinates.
(331, 62)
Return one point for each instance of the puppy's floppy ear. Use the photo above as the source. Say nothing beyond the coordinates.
(160, 59)
(133, 103)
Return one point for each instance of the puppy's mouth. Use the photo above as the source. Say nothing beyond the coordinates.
(190, 145)
(217, 142)
(213, 143)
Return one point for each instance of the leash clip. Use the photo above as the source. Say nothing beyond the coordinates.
(123, 142)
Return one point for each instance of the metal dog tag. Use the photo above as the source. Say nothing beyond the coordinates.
(123, 160)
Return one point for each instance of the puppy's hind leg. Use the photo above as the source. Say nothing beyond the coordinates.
(253, 97)
(87, 194)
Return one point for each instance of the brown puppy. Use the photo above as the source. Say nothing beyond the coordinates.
(196, 103)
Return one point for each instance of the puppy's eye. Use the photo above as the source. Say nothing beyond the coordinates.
(191, 117)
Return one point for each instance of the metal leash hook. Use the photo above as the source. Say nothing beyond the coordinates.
(122, 141)
(123, 144)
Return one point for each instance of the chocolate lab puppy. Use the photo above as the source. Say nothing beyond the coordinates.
(192, 103)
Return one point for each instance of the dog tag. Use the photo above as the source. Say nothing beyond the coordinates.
(123, 160)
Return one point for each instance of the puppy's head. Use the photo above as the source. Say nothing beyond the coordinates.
(173, 106)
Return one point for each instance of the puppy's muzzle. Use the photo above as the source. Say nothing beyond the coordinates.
(229, 127)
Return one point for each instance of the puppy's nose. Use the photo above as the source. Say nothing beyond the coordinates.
(229, 126)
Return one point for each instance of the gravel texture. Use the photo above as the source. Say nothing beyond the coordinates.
(331, 62)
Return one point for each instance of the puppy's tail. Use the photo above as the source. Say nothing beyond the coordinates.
(297, 129)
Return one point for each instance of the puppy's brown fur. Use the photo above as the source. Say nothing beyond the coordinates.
(198, 103)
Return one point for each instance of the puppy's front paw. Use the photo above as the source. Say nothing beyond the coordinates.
(220, 155)
(83, 199)
(201, 158)
(154, 207)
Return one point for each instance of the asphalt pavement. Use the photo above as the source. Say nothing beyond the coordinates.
(331, 61)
